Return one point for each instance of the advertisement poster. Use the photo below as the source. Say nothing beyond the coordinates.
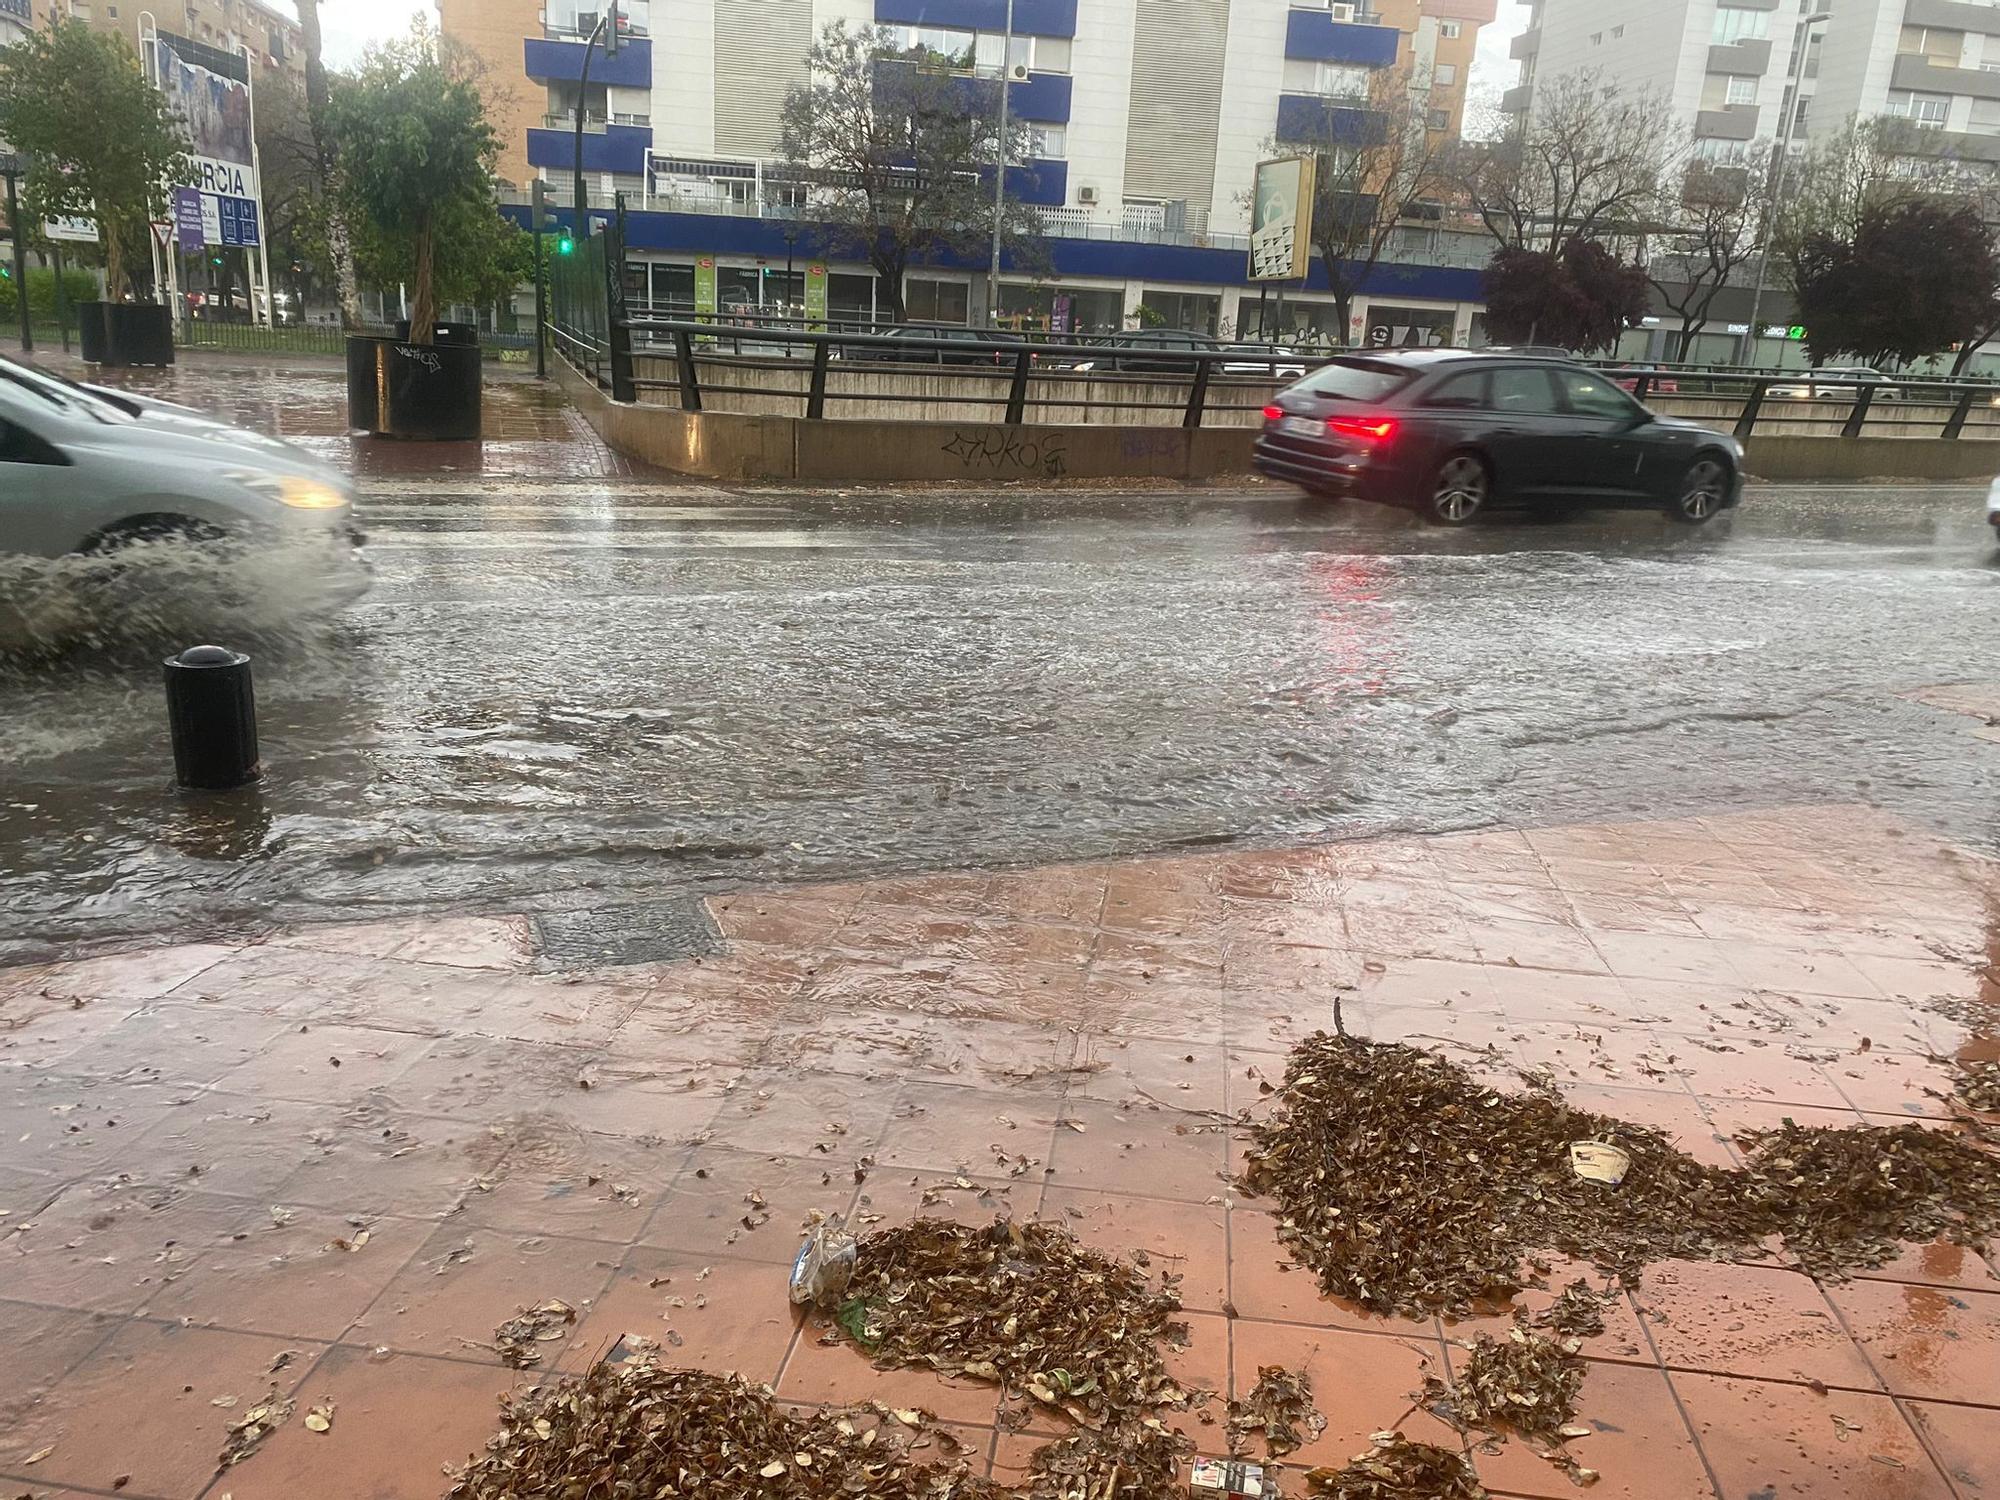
(816, 295)
(1281, 207)
(210, 92)
(188, 220)
(704, 285)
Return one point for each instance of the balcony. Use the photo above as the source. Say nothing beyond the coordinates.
(1527, 44)
(1312, 117)
(1746, 59)
(562, 62)
(1948, 15)
(1315, 35)
(20, 10)
(612, 148)
(1517, 99)
(1737, 123)
(1922, 76)
(1031, 17)
(593, 124)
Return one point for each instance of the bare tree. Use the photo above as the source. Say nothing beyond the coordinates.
(1717, 230)
(1373, 161)
(1586, 163)
(1837, 183)
(339, 239)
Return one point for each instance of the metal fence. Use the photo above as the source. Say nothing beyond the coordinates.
(587, 320)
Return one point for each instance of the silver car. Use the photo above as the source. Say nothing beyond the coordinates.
(84, 469)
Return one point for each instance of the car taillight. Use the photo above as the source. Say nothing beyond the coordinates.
(1272, 413)
(1367, 429)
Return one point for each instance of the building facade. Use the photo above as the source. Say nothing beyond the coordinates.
(1146, 120)
(16, 17)
(272, 37)
(1726, 68)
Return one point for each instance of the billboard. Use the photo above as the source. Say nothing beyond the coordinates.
(210, 93)
(1281, 208)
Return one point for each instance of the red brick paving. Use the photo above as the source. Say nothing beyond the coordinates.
(181, 1158)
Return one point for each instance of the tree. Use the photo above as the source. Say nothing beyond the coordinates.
(896, 155)
(297, 201)
(1372, 161)
(1719, 229)
(1581, 298)
(417, 155)
(100, 139)
(320, 133)
(1914, 276)
(1586, 163)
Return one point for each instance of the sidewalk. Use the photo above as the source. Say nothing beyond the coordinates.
(331, 1163)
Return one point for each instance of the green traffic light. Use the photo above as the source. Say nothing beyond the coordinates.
(565, 244)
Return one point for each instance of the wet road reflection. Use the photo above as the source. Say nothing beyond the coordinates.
(567, 692)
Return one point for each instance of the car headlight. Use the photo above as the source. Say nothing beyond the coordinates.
(1083, 365)
(294, 490)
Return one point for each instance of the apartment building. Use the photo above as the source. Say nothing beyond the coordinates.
(1146, 117)
(16, 17)
(272, 37)
(1726, 68)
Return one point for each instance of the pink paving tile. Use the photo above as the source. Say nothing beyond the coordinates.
(1766, 1439)
(109, 1246)
(370, 1158)
(1640, 955)
(1679, 1116)
(1940, 1264)
(1640, 1445)
(145, 974)
(1734, 1117)
(326, 1063)
(947, 1127)
(1760, 1322)
(778, 1112)
(463, 1283)
(1895, 1083)
(1771, 967)
(889, 1198)
(1759, 1070)
(834, 1373)
(708, 1313)
(177, 1043)
(1362, 1382)
(1118, 1070)
(560, 1180)
(398, 1423)
(1187, 1240)
(1966, 1440)
(138, 1414)
(62, 1127)
(1938, 1342)
(1603, 1056)
(1109, 1146)
(43, 1344)
(712, 1207)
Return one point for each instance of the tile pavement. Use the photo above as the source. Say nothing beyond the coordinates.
(193, 1139)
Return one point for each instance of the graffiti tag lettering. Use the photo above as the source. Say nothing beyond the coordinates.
(1002, 449)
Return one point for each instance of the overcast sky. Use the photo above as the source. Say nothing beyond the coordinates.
(350, 25)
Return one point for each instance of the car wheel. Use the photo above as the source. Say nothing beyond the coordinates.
(1459, 492)
(1701, 492)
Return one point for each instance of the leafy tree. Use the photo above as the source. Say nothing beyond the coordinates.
(1371, 163)
(1912, 279)
(1580, 298)
(319, 136)
(1719, 229)
(297, 201)
(99, 138)
(416, 155)
(896, 156)
(1586, 163)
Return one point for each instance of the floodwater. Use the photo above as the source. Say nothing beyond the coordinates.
(562, 694)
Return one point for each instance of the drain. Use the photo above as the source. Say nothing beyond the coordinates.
(647, 933)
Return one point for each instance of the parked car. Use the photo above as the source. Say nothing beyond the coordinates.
(1264, 359)
(1813, 388)
(1451, 433)
(85, 469)
(1151, 351)
(1658, 381)
(890, 353)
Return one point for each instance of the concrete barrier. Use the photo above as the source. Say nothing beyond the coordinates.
(769, 448)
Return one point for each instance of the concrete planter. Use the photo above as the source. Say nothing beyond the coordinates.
(424, 392)
(117, 334)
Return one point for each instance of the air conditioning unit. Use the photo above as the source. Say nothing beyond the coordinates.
(1342, 12)
(1018, 73)
(1086, 194)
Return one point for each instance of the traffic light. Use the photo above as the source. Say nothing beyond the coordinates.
(613, 22)
(215, 260)
(565, 242)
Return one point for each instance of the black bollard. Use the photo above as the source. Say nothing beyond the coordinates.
(213, 714)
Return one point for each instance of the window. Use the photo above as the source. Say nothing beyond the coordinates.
(1742, 90)
(986, 52)
(1341, 80)
(1944, 48)
(1925, 109)
(1048, 142)
(1799, 114)
(1617, 32)
(1524, 389)
(1051, 54)
(1723, 153)
(1437, 119)
(1461, 392)
(934, 44)
(1450, 31)
(1734, 24)
(1355, 380)
(1444, 75)
(1597, 39)
(1985, 117)
(929, 301)
(1589, 396)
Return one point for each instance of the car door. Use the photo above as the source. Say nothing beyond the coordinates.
(1525, 428)
(1603, 452)
(41, 510)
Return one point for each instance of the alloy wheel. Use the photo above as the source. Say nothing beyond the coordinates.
(1461, 490)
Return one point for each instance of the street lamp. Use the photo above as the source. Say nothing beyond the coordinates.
(1000, 174)
(606, 28)
(1784, 161)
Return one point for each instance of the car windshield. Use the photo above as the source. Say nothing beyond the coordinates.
(1354, 380)
(61, 393)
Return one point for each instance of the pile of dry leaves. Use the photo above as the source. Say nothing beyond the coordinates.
(634, 1429)
(1523, 1383)
(1979, 1086)
(1398, 1469)
(1410, 1186)
(1023, 1305)
(1281, 1407)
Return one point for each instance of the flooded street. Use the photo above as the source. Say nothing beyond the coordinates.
(568, 693)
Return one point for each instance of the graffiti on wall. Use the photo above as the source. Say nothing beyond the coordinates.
(1005, 451)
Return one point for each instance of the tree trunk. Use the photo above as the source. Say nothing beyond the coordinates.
(889, 272)
(114, 263)
(339, 242)
(423, 304)
(1343, 306)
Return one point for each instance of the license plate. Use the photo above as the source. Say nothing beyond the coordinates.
(1302, 426)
